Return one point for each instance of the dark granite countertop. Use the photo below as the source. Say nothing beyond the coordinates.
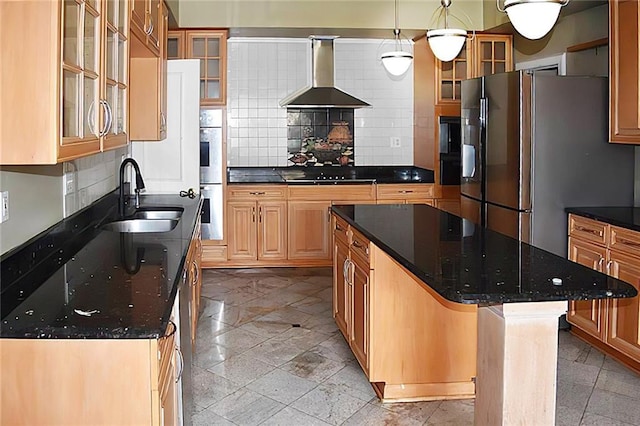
(625, 217)
(466, 263)
(329, 175)
(129, 281)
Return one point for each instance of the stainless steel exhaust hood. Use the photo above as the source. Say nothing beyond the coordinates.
(322, 93)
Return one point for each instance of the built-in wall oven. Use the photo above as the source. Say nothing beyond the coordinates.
(211, 173)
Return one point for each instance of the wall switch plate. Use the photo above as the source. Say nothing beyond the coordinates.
(395, 142)
(5, 207)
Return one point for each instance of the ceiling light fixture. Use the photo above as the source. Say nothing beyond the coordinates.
(446, 43)
(397, 61)
(533, 19)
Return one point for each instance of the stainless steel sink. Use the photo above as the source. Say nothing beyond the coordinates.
(141, 225)
(157, 214)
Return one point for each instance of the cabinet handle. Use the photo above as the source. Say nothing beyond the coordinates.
(599, 268)
(91, 120)
(253, 214)
(163, 122)
(587, 230)
(329, 214)
(196, 272)
(356, 244)
(103, 131)
(173, 331)
(609, 263)
(260, 214)
(339, 228)
(109, 117)
(257, 193)
(181, 358)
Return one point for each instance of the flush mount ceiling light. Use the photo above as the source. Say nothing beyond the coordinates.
(397, 61)
(532, 18)
(446, 43)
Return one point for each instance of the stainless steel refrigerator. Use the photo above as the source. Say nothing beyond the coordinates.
(533, 145)
(211, 173)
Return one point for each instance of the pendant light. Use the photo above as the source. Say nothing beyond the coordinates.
(446, 43)
(533, 19)
(397, 61)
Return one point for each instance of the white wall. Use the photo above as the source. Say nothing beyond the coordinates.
(261, 72)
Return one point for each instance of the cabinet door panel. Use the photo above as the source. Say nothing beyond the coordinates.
(588, 315)
(623, 331)
(272, 235)
(340, 286)
(359, 335)
(242, 230)
(624, 90)
(309, 230)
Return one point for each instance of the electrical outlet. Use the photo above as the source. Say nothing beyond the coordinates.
(395, 142)
(68, 189)
(5, 207)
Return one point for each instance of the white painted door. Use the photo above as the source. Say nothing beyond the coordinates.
(173, 165)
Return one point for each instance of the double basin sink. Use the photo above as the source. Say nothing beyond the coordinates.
(147, 219)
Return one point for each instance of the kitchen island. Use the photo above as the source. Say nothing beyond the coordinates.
(97, 326)
(519, 291)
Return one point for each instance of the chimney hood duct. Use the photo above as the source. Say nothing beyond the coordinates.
(322, 93)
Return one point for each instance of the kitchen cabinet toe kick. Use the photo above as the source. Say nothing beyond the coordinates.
(413, 392)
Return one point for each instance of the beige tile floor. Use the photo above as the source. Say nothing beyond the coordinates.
(253, 367)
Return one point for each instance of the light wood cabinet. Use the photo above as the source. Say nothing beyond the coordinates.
(257, 223)
(71, 100)
(176, 45)
(405, 194)
(194, 279)
(375, 302)
(119, 381)
(310, 217)
(589, 315)
(148, 72)
(612, 325)
(309, 225)
(624, 71)
(211, 48)
(351, 289)
(483, 55)
(146, 22)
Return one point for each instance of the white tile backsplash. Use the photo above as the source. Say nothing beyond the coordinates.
(92, 177)
(261, 72)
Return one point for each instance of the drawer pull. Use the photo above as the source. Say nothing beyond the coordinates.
(339, 228)
(406, 191)
(356, 244)
(257, 193)
(590, 231)
(627, 242)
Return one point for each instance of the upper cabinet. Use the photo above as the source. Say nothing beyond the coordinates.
(176, 45)
(146, 22)
(148, 104)
(484, 54)
(624, 72)
(211, 48)
(63, 80)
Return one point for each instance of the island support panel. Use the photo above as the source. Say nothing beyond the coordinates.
(517, 363)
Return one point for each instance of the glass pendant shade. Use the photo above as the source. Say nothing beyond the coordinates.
(396, 63)
(533, 18)
(446, 43)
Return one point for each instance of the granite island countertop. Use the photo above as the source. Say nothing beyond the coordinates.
(78, 281)
(466, 263)
(329, 175)
(625, 217)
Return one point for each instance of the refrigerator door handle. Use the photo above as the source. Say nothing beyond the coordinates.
(468, 161)
(484, 112)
